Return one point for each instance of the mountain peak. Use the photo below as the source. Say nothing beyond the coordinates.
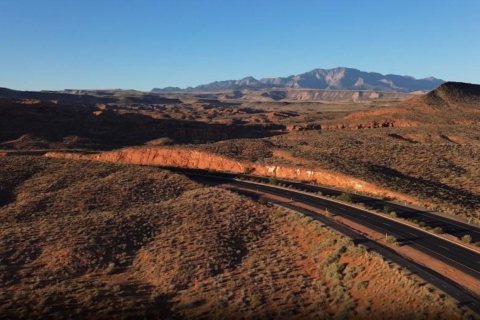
(339, 78)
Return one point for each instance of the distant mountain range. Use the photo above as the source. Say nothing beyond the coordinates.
(326, 79)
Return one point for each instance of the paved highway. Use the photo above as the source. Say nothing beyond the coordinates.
(457, 256)
(449, 226)
(445, 284)
(450, 253)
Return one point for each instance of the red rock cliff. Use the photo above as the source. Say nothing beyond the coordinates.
(185, 158)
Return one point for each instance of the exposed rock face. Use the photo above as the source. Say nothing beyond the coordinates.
(308, 127)
(193, 159)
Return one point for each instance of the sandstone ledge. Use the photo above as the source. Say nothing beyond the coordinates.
(194, 159)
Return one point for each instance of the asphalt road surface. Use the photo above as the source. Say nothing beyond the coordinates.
(453, 254)
(450, 226)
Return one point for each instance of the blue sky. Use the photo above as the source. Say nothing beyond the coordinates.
(53, 44)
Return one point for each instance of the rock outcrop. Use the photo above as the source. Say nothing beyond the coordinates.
(194, 159)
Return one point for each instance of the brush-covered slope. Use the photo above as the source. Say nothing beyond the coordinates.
(103, 241)
(451, 103)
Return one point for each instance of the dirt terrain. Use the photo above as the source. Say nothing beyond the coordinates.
(103, 240)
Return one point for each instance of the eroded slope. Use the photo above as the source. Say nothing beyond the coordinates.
(102, 240)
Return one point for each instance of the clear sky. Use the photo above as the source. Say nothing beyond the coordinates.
(88, 44)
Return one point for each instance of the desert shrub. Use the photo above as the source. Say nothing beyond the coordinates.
(361, 285)
(346, 197)
(392, 240)
(347, 310)
(329, 260)
(467, 238)
(357, 250)
(273, 180)
(387, 209)
(477, 244)
(438, 230)
(256, 299)
(294, 216)
(248, 170)
(262, 200)
(393, 214)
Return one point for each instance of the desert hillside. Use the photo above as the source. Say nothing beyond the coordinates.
(450, 103)
(96, 240)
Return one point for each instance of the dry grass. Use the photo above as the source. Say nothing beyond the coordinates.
(100, 241)
(422, 162)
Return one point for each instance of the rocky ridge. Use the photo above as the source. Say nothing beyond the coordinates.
(329, 79)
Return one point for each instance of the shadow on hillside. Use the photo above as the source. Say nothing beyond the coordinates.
(424, 188)
(108, 131)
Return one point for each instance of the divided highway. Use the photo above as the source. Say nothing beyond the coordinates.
(453, 254)
(450, 226)
(446, 285)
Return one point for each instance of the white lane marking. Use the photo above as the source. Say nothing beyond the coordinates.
(444, 247)
(413, 234)
(386, 224)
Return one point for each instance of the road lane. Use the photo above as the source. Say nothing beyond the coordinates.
(440, 281)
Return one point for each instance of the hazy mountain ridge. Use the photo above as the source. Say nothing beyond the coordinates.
(326, 79)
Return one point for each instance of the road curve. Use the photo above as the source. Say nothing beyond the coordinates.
(457, 256)
(445, 284)
(450, 226)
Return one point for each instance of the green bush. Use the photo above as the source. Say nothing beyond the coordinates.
(438, 230)
(467, 238)
(387, 209)
(392, 240)
(346, 197)
(361, 285)
(273, 180)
